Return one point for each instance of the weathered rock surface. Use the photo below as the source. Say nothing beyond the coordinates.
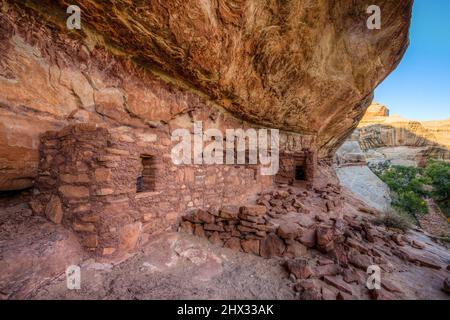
(354, 174)
(32, 251)
(309, 67)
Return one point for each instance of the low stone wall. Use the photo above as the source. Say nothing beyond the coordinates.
(249, 229)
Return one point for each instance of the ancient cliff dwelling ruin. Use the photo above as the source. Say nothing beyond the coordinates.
(87, 176)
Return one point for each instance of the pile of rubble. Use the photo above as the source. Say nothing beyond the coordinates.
(238, 228)
(326, 255)
(287, 199)
(345, 248)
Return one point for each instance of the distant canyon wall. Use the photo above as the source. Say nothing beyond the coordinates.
(425, 139)
(378, 129)
(382, 139)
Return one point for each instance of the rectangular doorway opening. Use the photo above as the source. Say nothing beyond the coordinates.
(300, 174)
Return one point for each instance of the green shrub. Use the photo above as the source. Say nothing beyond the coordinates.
(407, 185)
(403, 179)
(438, 173)
(394, 220)
(411, 203)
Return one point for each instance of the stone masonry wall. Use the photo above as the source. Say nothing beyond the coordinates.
(88, 177)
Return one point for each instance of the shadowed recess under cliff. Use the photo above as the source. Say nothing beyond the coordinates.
(303, 66)
(308, 67)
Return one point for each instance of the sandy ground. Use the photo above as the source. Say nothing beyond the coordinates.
(175, 265)
(178, 266)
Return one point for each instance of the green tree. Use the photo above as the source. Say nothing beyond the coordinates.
(438, 173)
(407, 185)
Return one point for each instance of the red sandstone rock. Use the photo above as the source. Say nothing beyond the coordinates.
(250, 246)
(389, 285)
(324, 261)
(30, 259)
(250, 218)
(309, 290)
(327, 270)
(328, 294)
(351, 276)
(213, 227)
(53, 210)
(397, 238)
(359, 260)
(199, 231)
(215, 238)
(299, 268)
(214, 211)
(305, 221)
(324, 239)
(340, 254)
(352, 243)
(229, 212)
(271, 246)
(186, 227)
(83, 227)
(308, 238)
(233, 243)
(129, 236)
(108, 251)
(69, 191)
(446, 285)
(381, 295)
(417, 244)
(421, 260)
(368, 233)
(71, 178)
(338, 283)
(90, 241)
(253, 210)
(344, 296)
(199, 216)
(102, 174)
(295, 250)
(246, 229)
(288, 231)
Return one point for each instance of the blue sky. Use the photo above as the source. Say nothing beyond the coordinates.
(419, 88)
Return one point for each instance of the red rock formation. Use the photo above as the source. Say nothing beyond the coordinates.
(307, 67)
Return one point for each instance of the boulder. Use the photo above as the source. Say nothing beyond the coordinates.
(308, 238)
(53, 210)
(295, 249)
(289, 230)
(233, 243)
(299, 268)
(250, 246)
(271, 246)
(324, 239)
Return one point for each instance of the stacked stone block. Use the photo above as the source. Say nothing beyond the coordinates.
(247, 228)
(85, 183)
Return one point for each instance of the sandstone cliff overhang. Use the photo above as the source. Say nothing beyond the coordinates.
(305, 66)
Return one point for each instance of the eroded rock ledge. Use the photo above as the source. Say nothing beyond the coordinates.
(307, 67)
